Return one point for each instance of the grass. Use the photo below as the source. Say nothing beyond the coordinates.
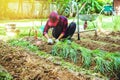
(4, 75)
(24, 44)
(110, 23)
(107, 23)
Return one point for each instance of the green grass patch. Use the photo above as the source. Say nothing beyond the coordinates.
(24, 44)
(4, 75)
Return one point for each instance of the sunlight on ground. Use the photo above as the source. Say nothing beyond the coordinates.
(4, 38)
(23, 24)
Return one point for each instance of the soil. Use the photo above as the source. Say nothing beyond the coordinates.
(115, 33)
(107, 42)
(25, 65)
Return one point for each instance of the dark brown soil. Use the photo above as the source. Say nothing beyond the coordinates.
(24, 65)
(90, 44)
(107, 39)
(109, 42)
(115, 34)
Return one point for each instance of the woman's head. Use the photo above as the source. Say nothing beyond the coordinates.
(53, 19)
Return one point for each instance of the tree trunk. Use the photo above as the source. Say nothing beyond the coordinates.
(32, 8)
(20, 7)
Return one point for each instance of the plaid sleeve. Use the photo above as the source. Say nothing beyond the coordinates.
(65, 24)
(46, 28)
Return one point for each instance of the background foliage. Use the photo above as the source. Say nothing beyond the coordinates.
(41, 8)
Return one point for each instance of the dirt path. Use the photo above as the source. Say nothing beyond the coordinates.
(23, 65)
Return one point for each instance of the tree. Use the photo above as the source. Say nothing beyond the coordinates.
(4, 7)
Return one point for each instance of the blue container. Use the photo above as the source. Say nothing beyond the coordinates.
(41, 28)
(108, 8)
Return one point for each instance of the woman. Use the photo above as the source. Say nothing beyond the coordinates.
(60, 27)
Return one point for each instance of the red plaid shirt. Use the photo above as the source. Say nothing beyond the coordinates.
(63, 22)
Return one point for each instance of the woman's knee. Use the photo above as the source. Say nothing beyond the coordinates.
(73, 24)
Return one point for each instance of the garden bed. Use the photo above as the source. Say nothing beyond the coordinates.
(24, 65)
(103, 42)
(107, 42)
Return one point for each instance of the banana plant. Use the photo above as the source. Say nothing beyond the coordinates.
(92, 6)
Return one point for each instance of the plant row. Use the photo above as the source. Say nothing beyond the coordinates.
(100, 61)
(97, 60)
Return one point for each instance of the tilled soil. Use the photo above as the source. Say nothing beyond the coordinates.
(90, 44)
(107, 39)
(107, 42)
(24, 65)
(115, 34)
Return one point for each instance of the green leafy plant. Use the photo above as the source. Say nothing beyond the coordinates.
(66, 49)
(24, 44)
(102, 65)
(4, 75)
(107, 63)
(116, 23)
(115, 61)
(86, 57)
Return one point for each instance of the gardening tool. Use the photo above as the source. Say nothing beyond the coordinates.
(86, 17)
(77, 15)
(91, 18)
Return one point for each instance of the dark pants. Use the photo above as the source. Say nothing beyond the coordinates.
(69, 32)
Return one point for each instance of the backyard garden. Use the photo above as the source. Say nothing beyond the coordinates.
(93, 53)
